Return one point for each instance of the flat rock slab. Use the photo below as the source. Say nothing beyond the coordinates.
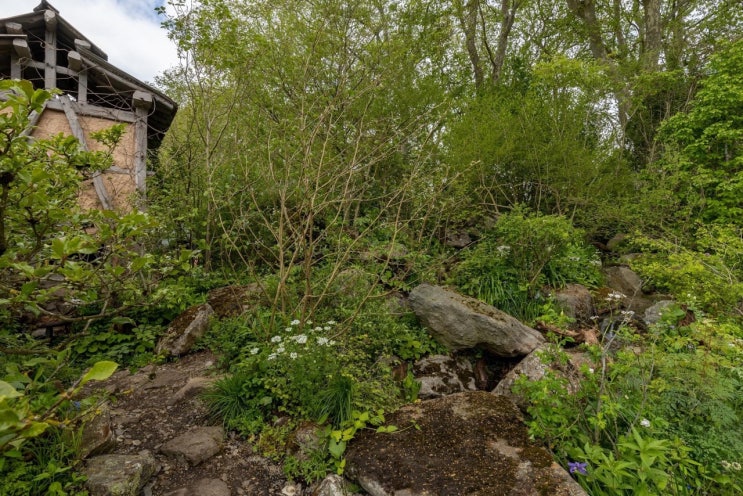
(196, 445)
(466, 444)
(119, 475)
(203, 487)
(461, 322)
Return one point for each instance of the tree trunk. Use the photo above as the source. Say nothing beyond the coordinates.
(651, 47)
(468, 19)
(508, 10)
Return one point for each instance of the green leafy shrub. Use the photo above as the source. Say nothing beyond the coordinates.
(658, 416)
(38, 432)
(706, 274)
(523, 253)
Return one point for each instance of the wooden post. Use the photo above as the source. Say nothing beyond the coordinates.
(50, 50)
(77, 132)
(75, 63)
(16, 71)
(142, 103)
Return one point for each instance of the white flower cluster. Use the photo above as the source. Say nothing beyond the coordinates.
(297, 338)
(627, 315)
(615, 296)
(728, 465)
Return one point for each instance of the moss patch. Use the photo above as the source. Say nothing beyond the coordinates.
(466, 444)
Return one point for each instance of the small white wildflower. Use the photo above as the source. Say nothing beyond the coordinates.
(318, 328)
(294, 322)
(331, 322)
(503, 250)
(574, 259)
(736, 466)
(254, 351)
(293, 355)
(326, 328)
(645, 423)
(288, 329)
(300, 338)
(590, 370)
(272, 356)
(331, 342)
(280, 349)
(615, 295)
(309, 322)
(322, 341)
(725, 464)
(276, 339)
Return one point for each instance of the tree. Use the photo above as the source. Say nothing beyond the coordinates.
(704, 146)
(307, 122)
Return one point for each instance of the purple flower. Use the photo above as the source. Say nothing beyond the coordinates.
(579, 467)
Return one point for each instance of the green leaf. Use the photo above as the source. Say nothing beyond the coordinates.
(99, 371)
(8, 391)
(336, 449)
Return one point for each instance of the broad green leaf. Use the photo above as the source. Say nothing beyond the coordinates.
(99, 371)
(8, 391)
(336, 448)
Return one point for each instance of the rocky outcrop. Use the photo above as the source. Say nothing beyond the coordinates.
(467, 444)
(441, 375)
(577, 303)
(185, 330)
(98, 434)
(460, 322)
(232, 301)
(332, 485)
(119, 475)
(535, 366)
(654, 313)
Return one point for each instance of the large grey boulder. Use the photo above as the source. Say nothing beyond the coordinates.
(185, 330)
(119, 475)
(466, 444)
(460, 322)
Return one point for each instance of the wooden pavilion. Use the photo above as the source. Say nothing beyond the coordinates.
(45, 49)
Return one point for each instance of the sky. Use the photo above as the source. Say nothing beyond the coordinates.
(127, 30)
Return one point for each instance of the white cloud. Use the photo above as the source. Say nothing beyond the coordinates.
(127, 30)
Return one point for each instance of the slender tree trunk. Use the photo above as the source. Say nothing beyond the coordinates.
(468, 14)
(508, 11)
